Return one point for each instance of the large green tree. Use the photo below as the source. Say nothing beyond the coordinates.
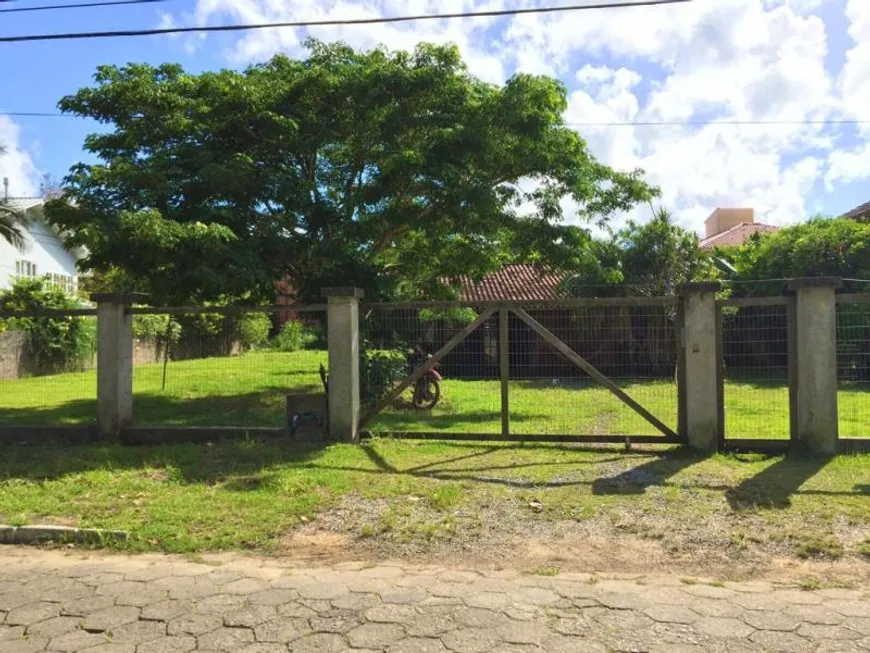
(390, 170)
(644, 258)
(838, 247)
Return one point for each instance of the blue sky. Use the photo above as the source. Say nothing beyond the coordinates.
(713, 59)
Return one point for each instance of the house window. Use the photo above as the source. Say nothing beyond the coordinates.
(62, 281)
(25, 268)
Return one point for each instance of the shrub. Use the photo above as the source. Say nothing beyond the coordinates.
(294, 335)
(380, 371)
(56, 343)
(154, 327)
(252, 330)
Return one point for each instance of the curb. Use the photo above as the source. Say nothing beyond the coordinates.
(34, 534)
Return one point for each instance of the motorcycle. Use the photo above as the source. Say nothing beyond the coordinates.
(427, 389)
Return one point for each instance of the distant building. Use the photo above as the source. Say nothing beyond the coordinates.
(732, 227)
(43, 255)
(860, 213)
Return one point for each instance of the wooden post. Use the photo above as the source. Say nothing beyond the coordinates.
(504, 370)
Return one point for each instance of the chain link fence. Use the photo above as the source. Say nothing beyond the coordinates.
(48, 363)
(231, 367)
(853, 369)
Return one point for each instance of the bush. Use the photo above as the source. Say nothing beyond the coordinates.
(154, 328)
(56, 343)
(294, 335)
(252, 330)
(380, 371)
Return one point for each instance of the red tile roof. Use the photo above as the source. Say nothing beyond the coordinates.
(859, 212)
(737, 235)
(514, 282)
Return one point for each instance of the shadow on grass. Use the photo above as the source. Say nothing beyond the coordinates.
(636, 480)
(264, 407)
(774, 486)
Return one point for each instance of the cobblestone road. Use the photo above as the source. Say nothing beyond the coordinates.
(154, 604)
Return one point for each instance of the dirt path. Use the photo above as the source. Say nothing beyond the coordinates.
(68, 601)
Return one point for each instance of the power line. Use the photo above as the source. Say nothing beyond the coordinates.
(676, 123)
(105, 3)
(345, 21)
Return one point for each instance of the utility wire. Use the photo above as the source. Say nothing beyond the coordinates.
(105, 3)
(687, 123)
(339, 21)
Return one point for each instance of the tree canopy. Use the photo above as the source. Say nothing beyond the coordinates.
(390, 170)
(650, 258)
(822, 247)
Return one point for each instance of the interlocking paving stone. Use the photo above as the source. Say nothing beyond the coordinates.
(32, 613)
(470, 640)
(676, 614)
(24, 645)
(418, 645)
(110, 618)
(126, 606)
(249, 616)
(319, 643)
(355, 602)
(391, 613)
(281, 630)
(375, 635)
(194, 624)
(225, 639)
(724, 627)
(139, 632)
(168, 645)
(771, 620)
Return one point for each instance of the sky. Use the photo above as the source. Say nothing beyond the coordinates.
(744, 60)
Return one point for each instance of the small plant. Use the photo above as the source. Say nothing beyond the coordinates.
(294, 336)
(445, 496)
(864, 547)
(819, 546)
(546, 571)
(809, 584)
(252, 330)
(717, 583)
(689, 581)
(367, 530)
(18, 520)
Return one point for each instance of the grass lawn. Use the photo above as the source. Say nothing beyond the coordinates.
(250, 494)
(249, 390)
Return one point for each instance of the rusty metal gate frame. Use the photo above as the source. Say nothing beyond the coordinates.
(503, 309)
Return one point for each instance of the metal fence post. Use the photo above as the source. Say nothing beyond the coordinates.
(114, 362)
(815, 332)
(342, 323)
(700, 363)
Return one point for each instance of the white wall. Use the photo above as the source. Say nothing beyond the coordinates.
(43, 248)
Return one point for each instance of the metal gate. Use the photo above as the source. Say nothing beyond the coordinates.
(584, 370)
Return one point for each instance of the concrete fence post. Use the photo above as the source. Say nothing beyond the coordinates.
(699, 373)
(815, 326)
(344, 373)
(114, 363)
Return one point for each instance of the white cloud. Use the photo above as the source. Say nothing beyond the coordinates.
(16, 165)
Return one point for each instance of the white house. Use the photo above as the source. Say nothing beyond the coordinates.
(43, 254)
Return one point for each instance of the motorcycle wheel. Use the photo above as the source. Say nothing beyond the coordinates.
(427, 394)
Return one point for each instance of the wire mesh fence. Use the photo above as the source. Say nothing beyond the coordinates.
(225, 369)
(755, 348)
(395, 339)
(547, 393)
(633, 346)
(48, 368)
(853, 369)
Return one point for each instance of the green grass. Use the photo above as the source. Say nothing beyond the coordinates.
(249, 390)
(248, 494)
